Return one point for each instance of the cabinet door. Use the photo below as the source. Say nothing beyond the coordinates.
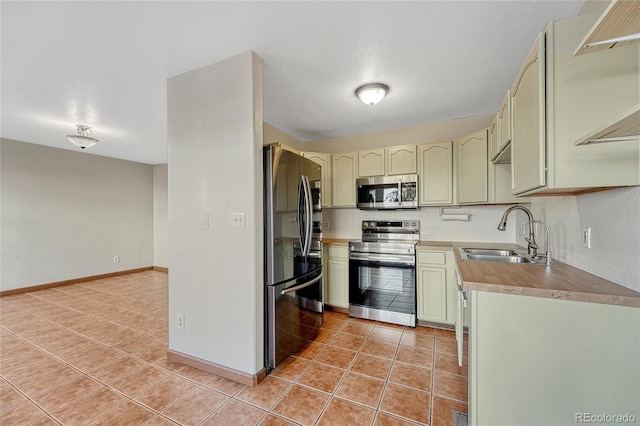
(472, 168)
(432, 294)
(371, 163)
(337, 278)
(325, 162)
(493, 138)
(401, 160)
(435, 171)
(344, 170)
(500, 185)
(528, 107)
(503, 135)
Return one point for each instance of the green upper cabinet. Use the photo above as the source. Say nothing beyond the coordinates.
(401, 160)
(528, 101)
(325, 162)
(345, 171)
(503, 137)
(371, 163)
(557, 99)
(435, 173)
(493, 138)
(394, 160)
(471, 171)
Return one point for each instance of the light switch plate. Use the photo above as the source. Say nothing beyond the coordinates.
(238, 221)
(204, 221)
(586, 236)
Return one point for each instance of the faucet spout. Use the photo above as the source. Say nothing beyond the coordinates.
(547, 255)
(532, 247)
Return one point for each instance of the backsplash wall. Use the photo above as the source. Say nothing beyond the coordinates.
(614, 219)
(482, 225)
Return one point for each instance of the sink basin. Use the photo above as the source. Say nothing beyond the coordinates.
(490, 252)
(499, 258)
(497, 255)
(500, 255)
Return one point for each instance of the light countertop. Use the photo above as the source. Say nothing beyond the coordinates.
(559, 281)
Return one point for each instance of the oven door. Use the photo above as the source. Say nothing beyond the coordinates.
(383, 287)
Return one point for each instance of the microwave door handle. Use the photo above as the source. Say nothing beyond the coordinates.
(300, 213)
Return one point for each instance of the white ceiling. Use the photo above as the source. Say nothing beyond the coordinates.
(105, 64)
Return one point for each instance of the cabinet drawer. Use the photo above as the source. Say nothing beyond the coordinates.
(338, 252)
(433, 257)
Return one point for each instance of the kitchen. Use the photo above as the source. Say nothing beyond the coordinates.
(607, 258)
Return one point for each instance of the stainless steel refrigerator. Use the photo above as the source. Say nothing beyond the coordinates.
(293, 253)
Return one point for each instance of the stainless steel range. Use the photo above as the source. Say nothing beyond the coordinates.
(382, 272)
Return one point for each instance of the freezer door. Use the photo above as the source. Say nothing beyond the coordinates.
(294, 316)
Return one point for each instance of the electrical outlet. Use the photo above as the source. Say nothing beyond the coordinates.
(116, 259)
(181, 322)
(326, 224)
(204, 221)
(238, 221)
(586, 236)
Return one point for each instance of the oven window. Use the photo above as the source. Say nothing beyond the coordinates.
(382, 286)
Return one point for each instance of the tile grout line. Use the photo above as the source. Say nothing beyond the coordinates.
(291, 381)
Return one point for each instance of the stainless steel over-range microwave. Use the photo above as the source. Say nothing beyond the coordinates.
(387, 192)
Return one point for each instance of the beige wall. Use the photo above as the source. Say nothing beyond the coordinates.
(614, 219)
(215, 168)
(66, 214)
(273, 134)
(434, 132)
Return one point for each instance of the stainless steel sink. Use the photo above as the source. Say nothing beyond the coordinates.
(491, 252)
(499, 258)
(498, 255)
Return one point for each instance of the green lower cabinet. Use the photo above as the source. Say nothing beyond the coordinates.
(435, 286)
(336, 282)
(432, 288)
(540, 361)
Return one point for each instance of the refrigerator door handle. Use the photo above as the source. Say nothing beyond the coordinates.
(301, 213)
(301, 286)
(309, 221)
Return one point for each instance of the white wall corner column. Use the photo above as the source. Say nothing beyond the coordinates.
(215, 169)
(160, 216)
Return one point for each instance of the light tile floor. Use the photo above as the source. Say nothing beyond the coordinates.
(95, 353)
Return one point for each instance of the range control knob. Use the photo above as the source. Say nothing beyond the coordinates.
(405, 224)
(372, 224)
(414, 223)
(365, 224)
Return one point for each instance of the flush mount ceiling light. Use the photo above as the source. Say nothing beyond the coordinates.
(83, 139)
(371, 94)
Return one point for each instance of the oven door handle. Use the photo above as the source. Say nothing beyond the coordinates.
(400, 260)
(301, 286)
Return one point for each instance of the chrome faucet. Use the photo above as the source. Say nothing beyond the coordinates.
(547, 255)
(532, 247)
